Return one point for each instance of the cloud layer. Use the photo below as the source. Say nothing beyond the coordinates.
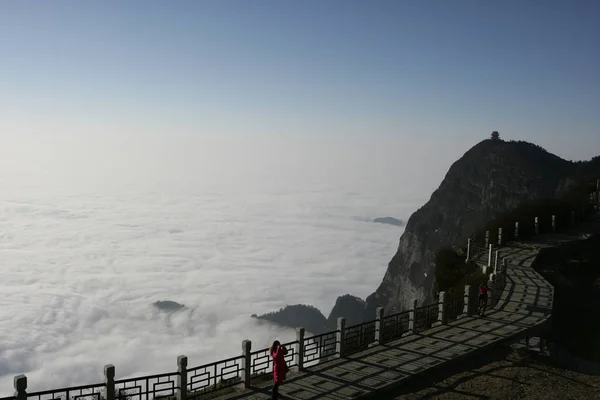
(81, 268)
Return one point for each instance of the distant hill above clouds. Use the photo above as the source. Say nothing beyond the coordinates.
(298, 315)
(389, 221)
(313, 320)
(168, 305)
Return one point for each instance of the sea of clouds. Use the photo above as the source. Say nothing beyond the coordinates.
(85, 254)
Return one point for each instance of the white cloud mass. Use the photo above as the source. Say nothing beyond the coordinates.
(91, 236)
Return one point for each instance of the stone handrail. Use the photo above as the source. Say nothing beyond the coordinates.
(252, 366)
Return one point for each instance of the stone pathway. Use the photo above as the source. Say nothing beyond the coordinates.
(524, 307)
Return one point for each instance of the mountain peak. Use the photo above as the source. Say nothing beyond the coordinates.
(491, 178)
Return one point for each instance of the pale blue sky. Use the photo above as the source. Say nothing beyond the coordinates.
(382, 69)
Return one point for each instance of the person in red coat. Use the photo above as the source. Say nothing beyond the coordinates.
(483, 298)
(278, 353)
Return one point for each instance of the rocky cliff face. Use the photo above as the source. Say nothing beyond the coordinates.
(491, 178)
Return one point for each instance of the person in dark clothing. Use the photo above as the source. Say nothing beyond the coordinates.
(484, 289)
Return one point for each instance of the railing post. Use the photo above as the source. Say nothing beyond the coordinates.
(412, 314)
(441, 308)
(20, 384)
(300, 354)
(536, 222)
(340, 345)
(487, 238)
(246, 362)
(466, 301)
(109, 382)
(182, 381)
(496, 261)
(597, 192)
(489, 262)
(468, 250)
(553, 223)
(379, 338)
(517, 230)
(493, 286)
(499, 236)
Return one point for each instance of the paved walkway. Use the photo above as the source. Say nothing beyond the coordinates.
(525, 305)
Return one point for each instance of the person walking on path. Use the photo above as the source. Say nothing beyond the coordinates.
(278, 353)
(483, 298)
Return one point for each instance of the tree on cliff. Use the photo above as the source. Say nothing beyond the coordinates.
(495, 135)
(450, 267)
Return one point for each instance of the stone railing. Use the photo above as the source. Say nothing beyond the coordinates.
(487, 254)
(490, 258)
(252, 367)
